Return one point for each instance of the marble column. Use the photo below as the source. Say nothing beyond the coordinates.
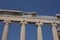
(22, 36)
(39, 31)
(5, 32)
(55, 35)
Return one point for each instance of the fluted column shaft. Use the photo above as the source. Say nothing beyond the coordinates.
(22, 36)
(55, 35)
(5, 32)
(39, 31)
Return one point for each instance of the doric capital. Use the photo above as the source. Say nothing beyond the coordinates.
(6, 21)
(23, 22)
(39, 23)
(54, 24)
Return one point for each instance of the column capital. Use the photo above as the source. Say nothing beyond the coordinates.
(39, 23)
(6, 21)
(54, 24)
(23, 22)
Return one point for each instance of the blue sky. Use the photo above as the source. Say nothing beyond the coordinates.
(42, 7)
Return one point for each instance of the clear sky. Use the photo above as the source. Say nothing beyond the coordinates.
(42, 7)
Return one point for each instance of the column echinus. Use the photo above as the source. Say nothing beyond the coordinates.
(39, 31)
(5, 32)
(54, 31)
(22, 35)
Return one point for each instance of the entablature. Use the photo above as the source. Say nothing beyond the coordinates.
(14, 15)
